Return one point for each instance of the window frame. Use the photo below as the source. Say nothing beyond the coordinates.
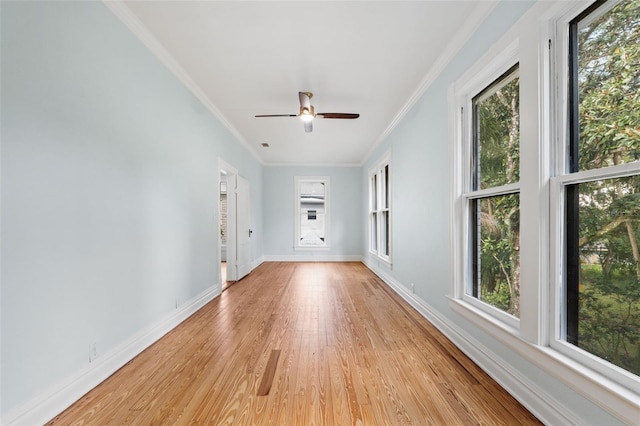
(379, 183)
(567, 125)
(475, 83)
(325, 180)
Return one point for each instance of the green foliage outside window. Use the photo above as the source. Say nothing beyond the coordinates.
(609, 209)
(497, 218)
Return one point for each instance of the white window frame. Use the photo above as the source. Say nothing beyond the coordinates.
(327, 195)
(477, 79)
(543, 103)
(558, 183)
(380, 204)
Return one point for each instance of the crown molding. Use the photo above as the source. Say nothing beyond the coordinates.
(310, 165)
(467, 29)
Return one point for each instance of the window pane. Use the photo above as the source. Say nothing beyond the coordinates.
(606, 284)
(497, 133)
(384, 238)
(386, 186)
(374, 192)
(312, 214)
(608, 87)
(496, 252)
(374, 232)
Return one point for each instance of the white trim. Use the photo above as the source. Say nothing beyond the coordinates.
(478, 309)
(128, 18)
(312, 257)
(257, 262)
(512, 188)
(464, 33)
(534, 315)
(310, 165)
(621, 170)
(57, 398)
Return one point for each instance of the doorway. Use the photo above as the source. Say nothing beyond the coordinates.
(226, 223)
(234, 244)
(224, 229)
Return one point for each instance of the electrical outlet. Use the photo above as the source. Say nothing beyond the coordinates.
(413, 288)
(93, 352)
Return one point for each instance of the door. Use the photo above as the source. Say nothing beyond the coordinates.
(230, 172)
(243, 231)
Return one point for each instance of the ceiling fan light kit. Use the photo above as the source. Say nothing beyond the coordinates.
(308, 113)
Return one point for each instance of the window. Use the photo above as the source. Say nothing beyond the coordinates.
(492, 198)
(380, 210)
(598, 190)
(311, 213)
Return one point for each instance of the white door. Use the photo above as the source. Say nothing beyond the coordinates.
(243, 231)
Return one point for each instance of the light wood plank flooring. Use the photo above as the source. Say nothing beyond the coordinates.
(301, 344)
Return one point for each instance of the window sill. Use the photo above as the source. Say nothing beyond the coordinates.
(486, 322)
(384, 260)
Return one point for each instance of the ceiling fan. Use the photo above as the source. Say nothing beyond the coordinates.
(307, 112)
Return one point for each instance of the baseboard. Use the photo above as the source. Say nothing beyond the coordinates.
(259, 261)
(319, 257)
(528, 393)
(57, 398)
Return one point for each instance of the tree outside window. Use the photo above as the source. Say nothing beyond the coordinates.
(494, 197)
(602, 191)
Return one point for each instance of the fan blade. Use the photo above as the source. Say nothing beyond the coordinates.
(308, 126)
(337, 115)
(277, 115)
(305, 99)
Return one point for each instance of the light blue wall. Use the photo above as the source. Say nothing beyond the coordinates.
(345, 204)
(421, 207)
(109, 196)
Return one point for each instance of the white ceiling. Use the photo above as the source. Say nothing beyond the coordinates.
(244, 58)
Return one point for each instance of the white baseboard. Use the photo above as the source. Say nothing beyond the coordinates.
(314, 257)
(57, 398)
(528, 393)
(259, 261)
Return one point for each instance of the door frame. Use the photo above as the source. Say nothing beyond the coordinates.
(231, 173)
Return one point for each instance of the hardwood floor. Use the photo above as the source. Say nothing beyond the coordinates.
(301, 344)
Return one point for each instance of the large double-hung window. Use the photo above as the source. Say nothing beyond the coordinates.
(493, 196)
(380, 209)
(598, 189)
(488, 205)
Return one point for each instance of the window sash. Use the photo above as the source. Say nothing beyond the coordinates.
(472, 193)
(559, 269)
(380, 211)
